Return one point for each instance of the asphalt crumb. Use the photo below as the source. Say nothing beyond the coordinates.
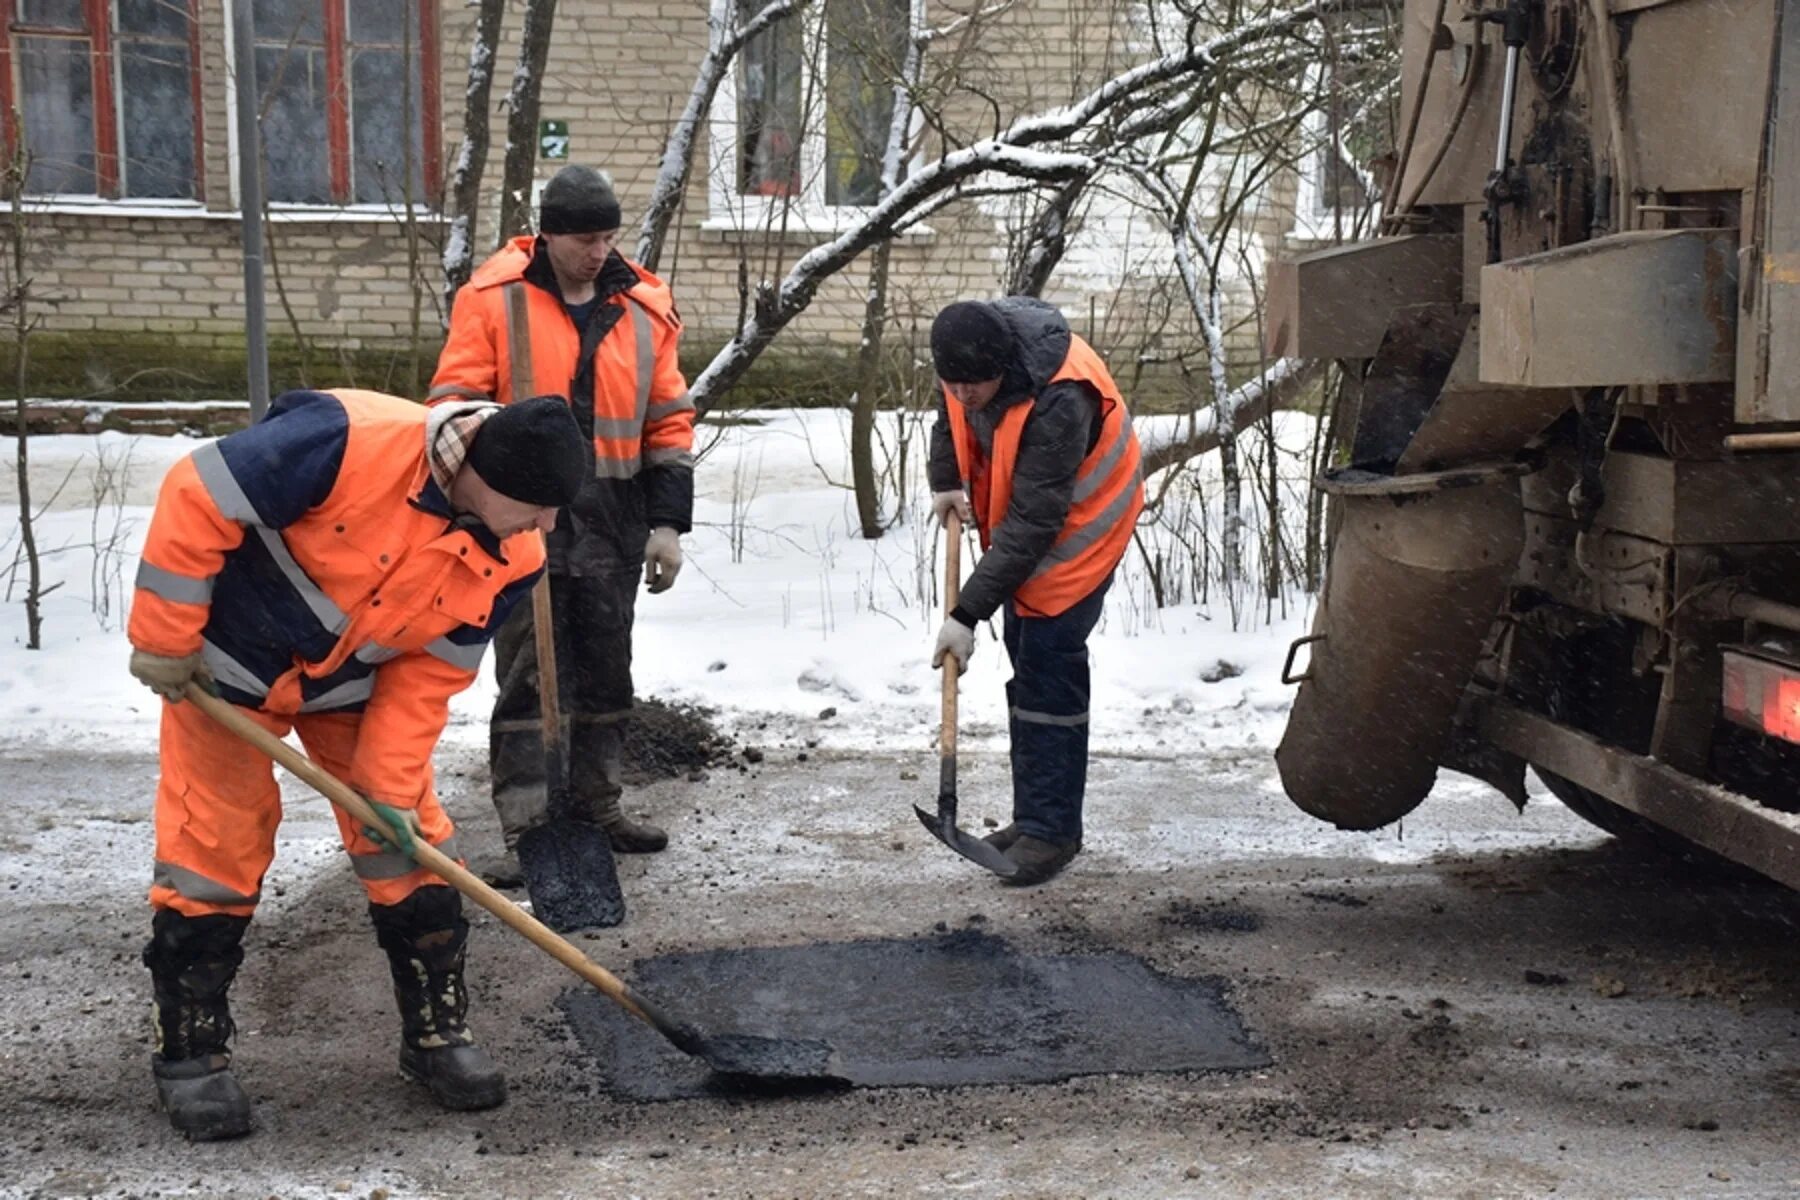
(669, 741)
(1211, 918)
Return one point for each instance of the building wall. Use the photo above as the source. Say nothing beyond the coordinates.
(167, 282)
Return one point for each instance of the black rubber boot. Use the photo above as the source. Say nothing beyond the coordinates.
(597, 771)
(1002, 839)
(424, 936)
(192, 962)
(1039, 860)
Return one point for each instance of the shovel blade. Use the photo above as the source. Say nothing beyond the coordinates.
(570, 874)
(985, 854)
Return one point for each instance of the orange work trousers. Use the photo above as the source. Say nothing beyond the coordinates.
(217, 807)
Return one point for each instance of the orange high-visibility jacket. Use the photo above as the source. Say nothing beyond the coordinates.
(642, 414)
(319, 568)
(1109, 489)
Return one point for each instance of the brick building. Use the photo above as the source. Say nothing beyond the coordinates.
(131, 229)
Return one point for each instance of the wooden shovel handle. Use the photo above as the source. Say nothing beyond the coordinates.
(425, 854)
(543, 631)
(952, 591)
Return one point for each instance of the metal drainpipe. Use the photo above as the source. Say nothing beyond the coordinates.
(250, 206)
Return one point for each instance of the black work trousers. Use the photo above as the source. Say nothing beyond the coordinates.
(592, 615)
(1047, 703)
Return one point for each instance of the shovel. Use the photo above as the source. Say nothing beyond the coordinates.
(942, 823)
(742, 1057)
(568, 864)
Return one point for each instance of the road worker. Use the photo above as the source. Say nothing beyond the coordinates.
(337, 568)
(1034, 445)
(605, 332)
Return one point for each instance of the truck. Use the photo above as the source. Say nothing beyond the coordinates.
(1564, 520)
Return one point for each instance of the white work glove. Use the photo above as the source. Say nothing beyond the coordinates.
(944, 503)
(662, 559)
(168, 677)
(958, 641)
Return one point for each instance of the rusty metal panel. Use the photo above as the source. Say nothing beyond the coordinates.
(1604, 573)
(1696, 85)
(1337, 303)
(1634, 308)
(1474, 59)
(1687, 502)
(1769, 345)
(1474, 420)
(1721, 820)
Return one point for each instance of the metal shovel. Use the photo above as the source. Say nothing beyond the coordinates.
(764, 1061)
(942, 823)
(568, 864)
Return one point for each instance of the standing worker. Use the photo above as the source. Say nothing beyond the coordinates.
(606, 331)
(337, 568)
(1032, 429)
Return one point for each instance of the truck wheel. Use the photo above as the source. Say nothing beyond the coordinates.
(1596, 809)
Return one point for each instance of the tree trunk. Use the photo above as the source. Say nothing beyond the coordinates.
(1044, 243)
(34, 587)
(522, 119)
(471, 159)
(868, 396)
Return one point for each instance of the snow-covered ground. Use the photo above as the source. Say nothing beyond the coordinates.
(782, 609)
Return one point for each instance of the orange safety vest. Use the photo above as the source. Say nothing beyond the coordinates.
(642, 414)
(314, 563)
(1109, 489)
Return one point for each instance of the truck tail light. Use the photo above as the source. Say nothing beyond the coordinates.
(1762, 695)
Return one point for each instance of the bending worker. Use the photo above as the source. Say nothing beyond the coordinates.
(1034, 443)
(604, 331)
(337, 568)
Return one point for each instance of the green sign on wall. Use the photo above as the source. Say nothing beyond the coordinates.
(553, 139)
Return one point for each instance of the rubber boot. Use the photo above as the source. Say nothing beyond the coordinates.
(597, 769)
(424, 936)
(1039, 860)
(1002, 839)
(192, 962)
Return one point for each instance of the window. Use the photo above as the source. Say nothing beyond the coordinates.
(349, 100)
(104, 92)
(804, 122)
(1346, 132)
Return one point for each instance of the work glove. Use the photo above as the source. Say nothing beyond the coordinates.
(400, 828)
(953, 501)
(958, 641)
(662, 559)
(168, 677)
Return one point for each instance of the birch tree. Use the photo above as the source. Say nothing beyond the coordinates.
(522, 118)
(471, 157)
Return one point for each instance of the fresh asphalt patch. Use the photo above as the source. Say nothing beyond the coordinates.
(954, 1010)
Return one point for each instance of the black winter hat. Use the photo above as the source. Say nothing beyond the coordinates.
(532, 451)
(578, 200)
(970, 343)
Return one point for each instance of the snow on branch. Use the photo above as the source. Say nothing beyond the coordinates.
(1280, 386)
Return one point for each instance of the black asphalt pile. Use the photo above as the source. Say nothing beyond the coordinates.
(671, 741)
(959, 1009)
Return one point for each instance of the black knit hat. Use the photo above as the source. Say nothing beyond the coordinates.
(532, 451)
(578, 200)
(970, 343)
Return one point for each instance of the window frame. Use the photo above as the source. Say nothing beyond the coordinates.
(731, 210)
(101, 18)
(339, 132)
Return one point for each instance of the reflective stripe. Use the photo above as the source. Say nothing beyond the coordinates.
(670, 457)
(614, 468)
(223, 487)
(375, 652)
(646, 364)
(468, 657)
(1038, 718)
(192, 885)
(617, 427)
(330, 615)
(669, 408)
(354, 692)
(1103, 523)
(456, 389)
(182, 589)
(1090, 483)
(230, 672)
(391, 864)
